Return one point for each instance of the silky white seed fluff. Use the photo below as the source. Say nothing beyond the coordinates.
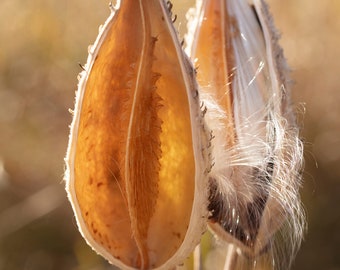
(267, 144)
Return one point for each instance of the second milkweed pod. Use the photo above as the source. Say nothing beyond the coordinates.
(137, 157)
(254, 184)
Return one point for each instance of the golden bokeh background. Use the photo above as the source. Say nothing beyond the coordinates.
(41, 44)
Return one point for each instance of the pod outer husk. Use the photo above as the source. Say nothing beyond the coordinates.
(138, 155)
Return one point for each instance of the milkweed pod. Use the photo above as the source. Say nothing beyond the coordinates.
(257, 154)
(137, 157)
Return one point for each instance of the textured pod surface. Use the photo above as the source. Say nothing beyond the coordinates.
(254, 184)
(135, 164)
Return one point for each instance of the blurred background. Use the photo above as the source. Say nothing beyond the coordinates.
(41, 44)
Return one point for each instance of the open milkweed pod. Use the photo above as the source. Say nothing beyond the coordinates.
(254, 183)
(137, 158)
